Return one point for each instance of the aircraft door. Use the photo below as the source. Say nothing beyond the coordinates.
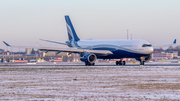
(118, 46)
(136, 46)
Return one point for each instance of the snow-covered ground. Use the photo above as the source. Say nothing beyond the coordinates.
(104, 83)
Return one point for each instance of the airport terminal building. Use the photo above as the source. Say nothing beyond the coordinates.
(165, 55)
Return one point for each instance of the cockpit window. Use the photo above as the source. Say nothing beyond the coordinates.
(146, 45)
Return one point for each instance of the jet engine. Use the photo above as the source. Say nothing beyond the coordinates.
(88, 58)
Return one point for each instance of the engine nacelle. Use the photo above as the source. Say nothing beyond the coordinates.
(88, 58)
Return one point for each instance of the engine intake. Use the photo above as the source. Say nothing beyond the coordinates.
(88, 58)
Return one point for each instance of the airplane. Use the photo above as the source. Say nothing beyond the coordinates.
(91, 50)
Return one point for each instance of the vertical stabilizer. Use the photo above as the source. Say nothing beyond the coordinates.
(70, 29)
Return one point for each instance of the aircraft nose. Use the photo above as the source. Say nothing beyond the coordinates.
(150, 50)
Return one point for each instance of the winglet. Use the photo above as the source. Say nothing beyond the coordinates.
(6, 44)
(174, 41)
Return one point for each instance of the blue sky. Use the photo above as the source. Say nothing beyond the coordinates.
(23, 22)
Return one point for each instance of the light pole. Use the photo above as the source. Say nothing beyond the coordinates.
(127, 33)
(131, 36)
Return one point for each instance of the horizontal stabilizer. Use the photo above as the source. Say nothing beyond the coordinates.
(55, 42)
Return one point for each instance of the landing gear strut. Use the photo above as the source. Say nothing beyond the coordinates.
(142, 60)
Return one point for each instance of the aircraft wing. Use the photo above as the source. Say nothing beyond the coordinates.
(58, 50)
(165, 45)
(75, 50)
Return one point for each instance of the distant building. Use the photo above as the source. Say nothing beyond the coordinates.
(1, 51)
(52, 53)
(29, 51)
(164, 55)
(73, 57)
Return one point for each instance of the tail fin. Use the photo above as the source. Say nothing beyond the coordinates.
(70, 29)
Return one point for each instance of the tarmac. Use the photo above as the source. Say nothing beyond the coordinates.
(82, 64)
(105, 82)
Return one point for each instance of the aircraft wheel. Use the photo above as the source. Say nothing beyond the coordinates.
(141, 62)
(93, 64)
(120, 63)
(87, 64)
(117, 62)
(124, 62)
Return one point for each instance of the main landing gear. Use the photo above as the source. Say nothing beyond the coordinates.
(89, 64)
(120, 62)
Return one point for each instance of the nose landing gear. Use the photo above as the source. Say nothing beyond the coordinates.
(141, 62)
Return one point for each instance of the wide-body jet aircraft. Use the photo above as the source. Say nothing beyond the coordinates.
(90, 50)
